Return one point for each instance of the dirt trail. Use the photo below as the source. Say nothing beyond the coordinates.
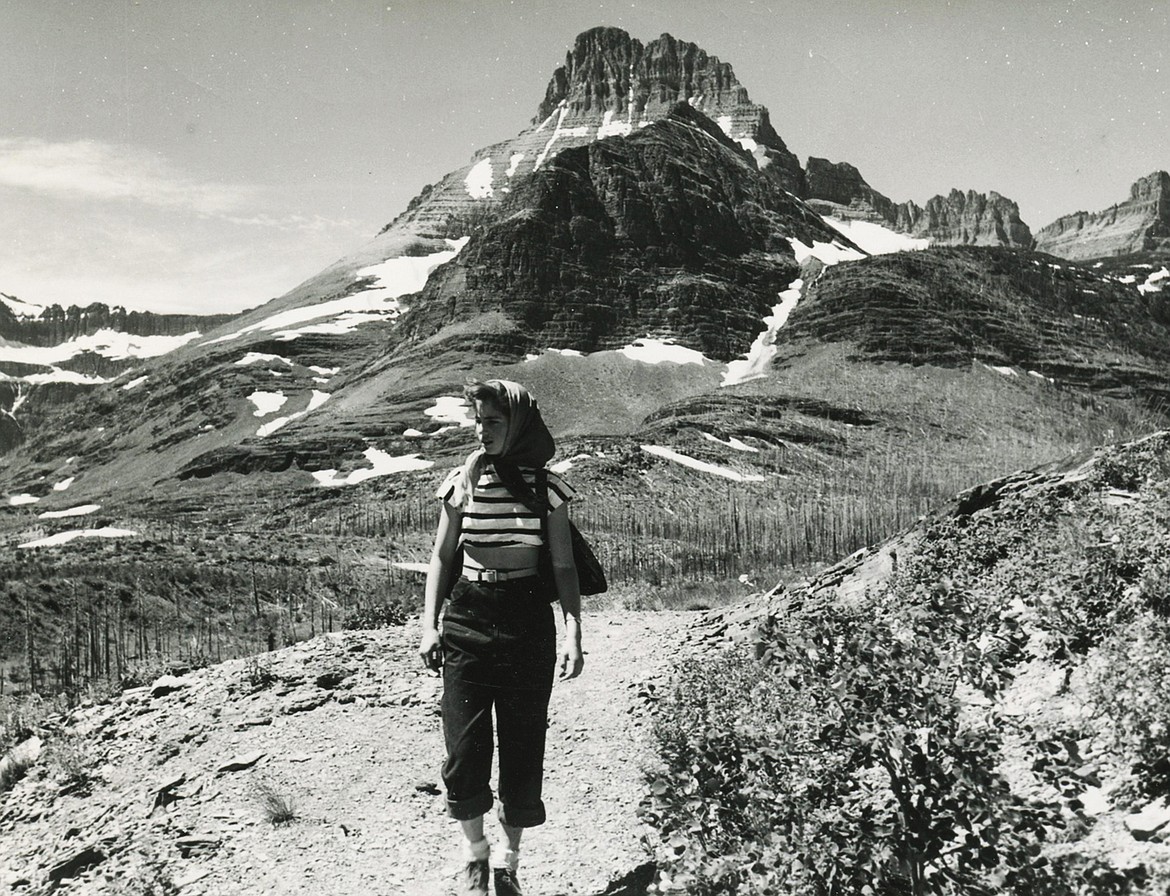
(349, 730)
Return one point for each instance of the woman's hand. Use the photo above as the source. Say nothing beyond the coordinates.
(572, 658)
(429, 649)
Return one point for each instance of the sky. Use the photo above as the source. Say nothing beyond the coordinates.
(208, 156)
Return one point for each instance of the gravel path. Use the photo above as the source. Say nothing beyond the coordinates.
(346, 727)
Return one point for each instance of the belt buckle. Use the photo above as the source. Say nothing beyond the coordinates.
(491, 576)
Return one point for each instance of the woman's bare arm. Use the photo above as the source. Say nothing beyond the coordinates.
(439, 574)
(560, 542)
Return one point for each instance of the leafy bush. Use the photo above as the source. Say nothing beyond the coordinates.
(842, 761)
(376, 616)
(862, 750)
(12, 771)
(1130, 686)
(70, 758)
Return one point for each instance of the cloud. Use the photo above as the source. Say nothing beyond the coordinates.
(91, 170)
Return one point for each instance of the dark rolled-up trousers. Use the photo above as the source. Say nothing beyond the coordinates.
(499, 653)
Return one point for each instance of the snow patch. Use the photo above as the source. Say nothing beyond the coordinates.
(700, 465)
(66, 537)
(562, 466)
(112, 344)
(660, 351)
(763, 350)
(451, 409)
(562, 111)
(1039, 375)
(381, 464)
(876, 239)
(80, 510)
(267, 402)
(22, 309)
(1154, 281)
(566, 352)
(611, 128)
(19, 500)
(64, 484)
(254, 357)
(479, 180)
(827, 253)
(730, 443)
(315, 401)
(393, 278)
(724, 122)
(135, 383)
(57, 375)
(1002, 371)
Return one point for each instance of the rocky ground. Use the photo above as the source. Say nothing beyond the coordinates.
(171, 788)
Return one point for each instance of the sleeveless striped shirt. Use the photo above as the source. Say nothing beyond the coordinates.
(494, 518)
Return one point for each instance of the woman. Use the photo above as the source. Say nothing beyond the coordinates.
(498, 644)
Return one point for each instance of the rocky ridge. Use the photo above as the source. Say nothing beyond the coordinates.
(1140, 224)
(56, 324)
(957, 219)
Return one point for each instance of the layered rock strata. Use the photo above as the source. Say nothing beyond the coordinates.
(959, 219)
(670, 231)
(966, 219)
(611, 85)
(1140, 224)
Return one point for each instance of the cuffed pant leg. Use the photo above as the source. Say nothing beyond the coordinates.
(467, 731)
(522, 720)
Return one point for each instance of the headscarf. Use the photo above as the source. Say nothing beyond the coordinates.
(528, 443)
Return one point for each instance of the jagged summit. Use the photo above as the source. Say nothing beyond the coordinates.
(1140, 224)
(838, 190)
(612, 83)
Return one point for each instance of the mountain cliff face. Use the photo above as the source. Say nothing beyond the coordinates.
(610, 85)
(958, 219)
(838, 190)
(670, 231)
(56, 324)
(967, 219)
(1141, 224)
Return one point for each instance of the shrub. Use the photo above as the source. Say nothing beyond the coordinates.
(258, 674)
(376, 616)
(1131, 681)
(69, 757)
(12, 771)
(278, 809)
(842, 762)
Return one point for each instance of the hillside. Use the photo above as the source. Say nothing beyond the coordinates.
(976, 705)
(735, 386)
(973, 705)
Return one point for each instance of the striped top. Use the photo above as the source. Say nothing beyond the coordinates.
(494, 518)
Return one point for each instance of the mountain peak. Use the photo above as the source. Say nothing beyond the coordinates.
(612, 83)
(607, 70)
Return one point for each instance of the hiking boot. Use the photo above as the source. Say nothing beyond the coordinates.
(506, 883)
(475, 878)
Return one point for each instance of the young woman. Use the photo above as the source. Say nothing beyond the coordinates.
(498, 645)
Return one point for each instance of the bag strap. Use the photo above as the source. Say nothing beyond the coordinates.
(542, 494)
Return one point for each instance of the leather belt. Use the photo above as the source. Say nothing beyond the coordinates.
(497, 575)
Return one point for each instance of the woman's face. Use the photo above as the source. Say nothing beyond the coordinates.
(491, 427)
